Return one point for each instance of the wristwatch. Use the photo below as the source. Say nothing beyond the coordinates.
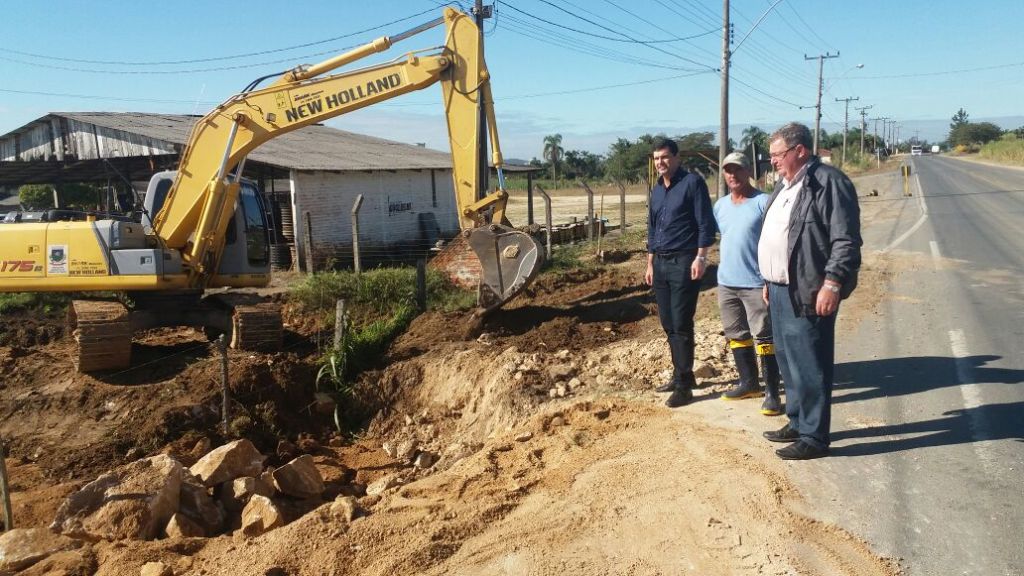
(832, 287)
(703, 259)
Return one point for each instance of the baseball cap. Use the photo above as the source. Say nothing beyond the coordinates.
(738, 159)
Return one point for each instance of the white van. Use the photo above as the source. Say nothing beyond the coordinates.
(915, 150)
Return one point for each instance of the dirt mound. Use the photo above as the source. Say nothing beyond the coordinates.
(547, 452)
(593, 487)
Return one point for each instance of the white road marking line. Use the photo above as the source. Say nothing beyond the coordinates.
(936, 257)
(973, 401)
(920, 221)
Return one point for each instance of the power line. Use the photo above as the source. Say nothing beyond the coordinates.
(215, 58)
(94, 97)
(941, 73)
(514, 97)
(613, 31)
(763, 93)
(806, 25)
(626, 39)
(556, 38)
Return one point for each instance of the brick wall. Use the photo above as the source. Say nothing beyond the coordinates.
(459, 263)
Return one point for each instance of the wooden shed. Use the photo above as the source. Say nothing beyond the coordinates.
(312, 177)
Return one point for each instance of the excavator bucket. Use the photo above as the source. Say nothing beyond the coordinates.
(509, 261)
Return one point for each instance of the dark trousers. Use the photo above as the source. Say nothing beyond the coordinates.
(676, 294)
(805, 348)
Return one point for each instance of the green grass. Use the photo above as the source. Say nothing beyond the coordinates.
(48, 303)
(376, 293)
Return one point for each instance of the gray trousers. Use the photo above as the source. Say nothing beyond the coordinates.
(744, 315)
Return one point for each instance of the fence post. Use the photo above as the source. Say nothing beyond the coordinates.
(590, 210)
(622, 207)
(310, 260)
(600, 228)
(5, 491)
(339, 323)
(222, 345)
(547, 219)
(529, 197)
(421, 284)
(356, 262)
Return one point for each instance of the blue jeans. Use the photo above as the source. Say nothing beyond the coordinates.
(805, 348)
(676, 294)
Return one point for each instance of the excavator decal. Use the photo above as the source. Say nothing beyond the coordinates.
(17, 266)
(378, 86)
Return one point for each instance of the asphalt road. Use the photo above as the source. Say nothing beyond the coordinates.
(928, 420)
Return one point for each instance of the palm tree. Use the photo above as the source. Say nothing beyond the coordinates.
(553, 153)
(756, 136)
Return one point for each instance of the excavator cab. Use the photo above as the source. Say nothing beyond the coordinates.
(245, 258)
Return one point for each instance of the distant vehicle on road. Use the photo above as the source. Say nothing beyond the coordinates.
(936, 149)
(915, 150)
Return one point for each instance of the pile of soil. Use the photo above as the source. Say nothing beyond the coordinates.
(550, 453)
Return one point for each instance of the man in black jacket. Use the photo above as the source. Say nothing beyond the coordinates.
(809, 255)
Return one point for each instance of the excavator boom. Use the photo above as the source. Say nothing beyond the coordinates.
(195, 216)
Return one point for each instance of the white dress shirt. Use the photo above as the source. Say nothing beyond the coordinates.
(773, 246)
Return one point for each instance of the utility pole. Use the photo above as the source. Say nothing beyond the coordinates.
(821, 86)
(723, 125)
(863, 120)
(846, 122)
(883, 119)
(480, 13)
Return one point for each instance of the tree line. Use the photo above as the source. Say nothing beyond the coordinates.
(627, 160)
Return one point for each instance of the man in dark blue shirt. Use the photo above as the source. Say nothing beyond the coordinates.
(680, 229)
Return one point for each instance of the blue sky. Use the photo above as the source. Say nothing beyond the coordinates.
(617, 77)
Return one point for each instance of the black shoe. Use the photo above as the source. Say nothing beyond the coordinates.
(667, 386)
(784, 434)
(680, 397)
(801, 450)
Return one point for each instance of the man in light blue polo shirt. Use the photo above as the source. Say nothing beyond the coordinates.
(745, 319)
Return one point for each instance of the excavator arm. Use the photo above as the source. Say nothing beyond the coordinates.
(199, 206)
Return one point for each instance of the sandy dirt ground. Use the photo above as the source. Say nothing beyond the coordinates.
(555, 455)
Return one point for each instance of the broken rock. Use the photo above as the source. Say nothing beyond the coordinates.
(299, 478)
(23, 547)
(156, 569)
(260, 515)
(236, 494)
(704, 370)
(424, 460)
(380, 486)
(180, 526)
(134, 501)
(197, 505)
(345, 508)
(230, 461)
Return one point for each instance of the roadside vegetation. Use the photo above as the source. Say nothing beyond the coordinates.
(1007, 150)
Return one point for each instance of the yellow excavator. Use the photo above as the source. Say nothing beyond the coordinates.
(208, 227)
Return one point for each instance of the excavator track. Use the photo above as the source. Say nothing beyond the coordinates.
(103, 332)
(257, 327)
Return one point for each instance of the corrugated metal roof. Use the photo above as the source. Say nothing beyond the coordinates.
(310, 148)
